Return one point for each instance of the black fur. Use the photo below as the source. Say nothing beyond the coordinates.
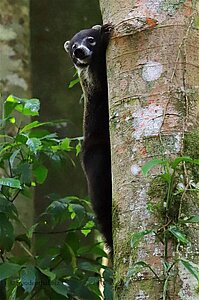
(89, 57)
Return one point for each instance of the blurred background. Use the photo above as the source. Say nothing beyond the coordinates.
(33, 63)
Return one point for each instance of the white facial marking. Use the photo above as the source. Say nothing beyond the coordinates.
(74, 46)
(86, 50)
(91, 40)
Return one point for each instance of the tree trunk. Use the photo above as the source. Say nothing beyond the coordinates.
(153, 77)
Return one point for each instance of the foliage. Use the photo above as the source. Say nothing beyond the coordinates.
(66, 269)
(169, 192)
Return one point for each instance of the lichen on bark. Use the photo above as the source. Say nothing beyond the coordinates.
(152, 63)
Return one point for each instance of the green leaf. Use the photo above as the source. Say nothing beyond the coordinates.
(92, 280)
(7, 207)
(194, 219)
(195, 162)
(58, 210)
(178, 160)
(33, 144)
(65, 145)
(10, 105)
(136, 237)
(73, 240)
(193, 270)
(60, 288)
(87, 266)
(29, 107)
(40, 173)
(5, 137)
(32, 125)
(5, 147)
(40, 133)
(175, 231)
(11, 182)
(28, 278)
(69, 256)
(13, 294)
(31, 230)
(152, 163)
(96, 250)
(94, 288)
(12, 120)
(73, 82)
(6, 233)
(13, 157)
(166, 177)
(77, 211)
(21, 138)
(87, 228)
(78, 148)
(8, 269)
(135, 268)
(108, 291)
(48, 273)
(108, 274)
(84, 250)
(25, 172)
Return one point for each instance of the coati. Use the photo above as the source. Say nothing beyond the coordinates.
(88, 52)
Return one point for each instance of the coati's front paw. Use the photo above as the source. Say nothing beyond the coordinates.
(106, 32)
(107, 28)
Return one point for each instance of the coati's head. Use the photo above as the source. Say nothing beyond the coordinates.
(88, 44)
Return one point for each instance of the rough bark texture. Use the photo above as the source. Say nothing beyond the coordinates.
(153, 77)
(15, 65)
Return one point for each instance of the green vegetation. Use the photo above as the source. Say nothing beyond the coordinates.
(171, 195)
(69, 268)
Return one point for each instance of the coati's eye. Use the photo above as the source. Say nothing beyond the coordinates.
(91, 40)
(74, 46)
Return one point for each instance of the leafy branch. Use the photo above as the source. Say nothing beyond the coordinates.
(172, 220)
(65, 270)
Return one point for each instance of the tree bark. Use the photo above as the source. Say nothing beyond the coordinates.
(153, 78)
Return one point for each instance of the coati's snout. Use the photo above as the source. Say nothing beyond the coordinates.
(82, 53)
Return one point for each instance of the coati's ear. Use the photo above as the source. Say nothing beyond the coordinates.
(66, 46)
(97, 27)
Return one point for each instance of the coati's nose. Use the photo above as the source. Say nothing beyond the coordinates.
(80, 53)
